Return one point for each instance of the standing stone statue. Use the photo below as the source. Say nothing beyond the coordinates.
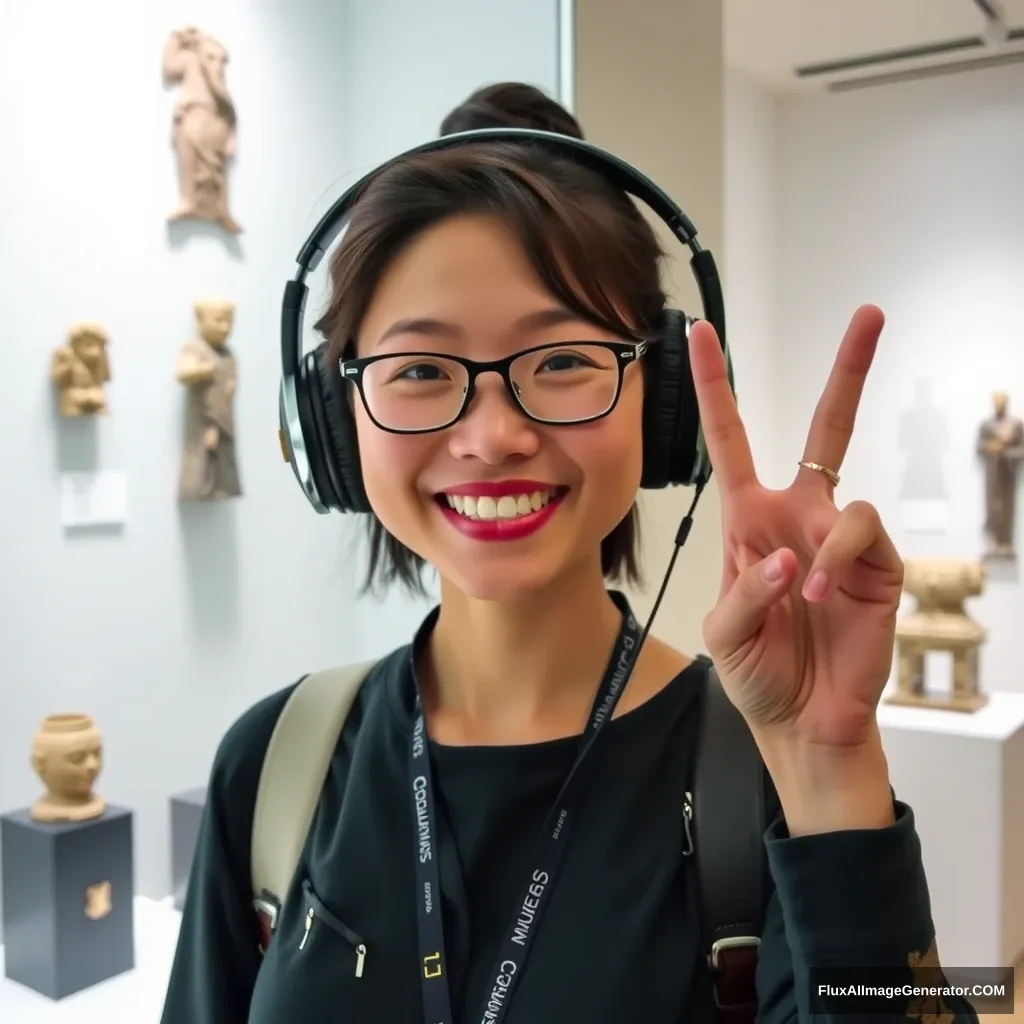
(209, 466)
(204, 126)
(1001, 445)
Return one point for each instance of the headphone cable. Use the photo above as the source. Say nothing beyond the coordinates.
(681, 534)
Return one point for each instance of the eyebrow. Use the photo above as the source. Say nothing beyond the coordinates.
(430, 327)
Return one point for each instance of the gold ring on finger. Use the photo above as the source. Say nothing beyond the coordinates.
(818, 468)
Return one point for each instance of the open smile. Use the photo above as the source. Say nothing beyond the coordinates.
(509, 510)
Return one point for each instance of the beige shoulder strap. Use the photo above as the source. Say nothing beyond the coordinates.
(294, 768)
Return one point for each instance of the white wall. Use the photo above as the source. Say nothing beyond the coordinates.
(751, 269)
(910, 196)
(167, 630)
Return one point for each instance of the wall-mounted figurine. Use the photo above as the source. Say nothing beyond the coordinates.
(204, 126)
(67, 755)
(1001, 445)
(207, 368)
(80, 369)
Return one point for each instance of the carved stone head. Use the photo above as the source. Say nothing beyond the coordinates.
(215, 319)
(67, 754)
(1000, 400)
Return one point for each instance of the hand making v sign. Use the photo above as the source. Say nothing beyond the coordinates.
(802, 634)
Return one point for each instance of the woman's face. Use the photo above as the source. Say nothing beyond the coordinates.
(473, 293)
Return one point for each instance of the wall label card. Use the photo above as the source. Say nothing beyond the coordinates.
(94, 499)
(923, 515)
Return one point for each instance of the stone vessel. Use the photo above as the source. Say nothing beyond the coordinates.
(67, 755)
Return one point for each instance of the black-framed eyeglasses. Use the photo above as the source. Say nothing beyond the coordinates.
(561, 384)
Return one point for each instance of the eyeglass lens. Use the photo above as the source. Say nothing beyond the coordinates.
(566, 384)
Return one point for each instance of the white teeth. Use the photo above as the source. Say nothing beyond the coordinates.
(508, 506)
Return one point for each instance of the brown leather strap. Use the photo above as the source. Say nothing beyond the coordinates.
(267, 908)
(263, 922)
(729, 824)
(734, 980)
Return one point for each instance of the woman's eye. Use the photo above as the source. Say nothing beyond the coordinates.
(422, 371)
(564, 361)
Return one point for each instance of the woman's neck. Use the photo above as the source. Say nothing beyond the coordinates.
(518, 671)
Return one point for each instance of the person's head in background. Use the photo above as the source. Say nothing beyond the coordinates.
(511, 105)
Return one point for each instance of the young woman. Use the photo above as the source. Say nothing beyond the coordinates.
(522, 501)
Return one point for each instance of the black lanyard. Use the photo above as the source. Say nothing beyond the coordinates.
(437, 1008)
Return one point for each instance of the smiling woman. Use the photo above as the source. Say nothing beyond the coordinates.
(466, 270)
(499, 376)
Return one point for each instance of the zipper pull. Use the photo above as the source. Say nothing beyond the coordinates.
(360, 959)
(309, 924)
(687, 821)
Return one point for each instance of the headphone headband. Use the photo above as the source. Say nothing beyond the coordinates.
(295, 417)
(612, 168)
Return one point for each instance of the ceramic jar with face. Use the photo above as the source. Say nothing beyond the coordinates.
(67, 755)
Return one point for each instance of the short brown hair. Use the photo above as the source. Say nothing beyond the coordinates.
(511, 105)
(587, 241)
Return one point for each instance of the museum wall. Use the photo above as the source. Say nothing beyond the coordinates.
(909, 196)
(750, 271)
(167, 626)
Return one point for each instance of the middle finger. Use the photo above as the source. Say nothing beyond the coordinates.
(832, 425)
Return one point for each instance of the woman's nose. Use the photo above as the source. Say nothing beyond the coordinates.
(493, 428)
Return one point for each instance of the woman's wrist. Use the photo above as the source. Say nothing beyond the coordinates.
(828, 789)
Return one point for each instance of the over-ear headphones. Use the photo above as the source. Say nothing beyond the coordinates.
(318, 436)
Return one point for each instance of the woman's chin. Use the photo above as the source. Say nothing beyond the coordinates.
(499, 583)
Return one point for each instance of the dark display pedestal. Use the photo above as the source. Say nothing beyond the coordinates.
(186, 817)
(68, 892)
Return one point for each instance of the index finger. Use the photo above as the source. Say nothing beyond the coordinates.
(724, 433)
(832, 426)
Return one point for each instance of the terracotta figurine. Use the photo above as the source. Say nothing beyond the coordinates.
(80, 369)
(67, 755)
(940, 623)
(209, 467)
(204, 126)
(1001, 445)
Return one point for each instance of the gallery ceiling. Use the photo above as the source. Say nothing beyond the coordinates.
(770, 39)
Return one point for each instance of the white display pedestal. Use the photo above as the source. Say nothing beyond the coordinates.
(136, 997)
(963, 775)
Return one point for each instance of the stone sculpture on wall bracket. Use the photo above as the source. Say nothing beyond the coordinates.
(209, 373)
(205, 125)
(67, 755)
(940, 623)
(1001, 446)
(80, 369)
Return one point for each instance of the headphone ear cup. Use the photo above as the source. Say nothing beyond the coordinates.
(671, 422)
(336, 427)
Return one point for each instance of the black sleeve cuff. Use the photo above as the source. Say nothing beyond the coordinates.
(856, 897)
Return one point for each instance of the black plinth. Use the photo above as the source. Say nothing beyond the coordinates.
(186, 817)
(68, 889)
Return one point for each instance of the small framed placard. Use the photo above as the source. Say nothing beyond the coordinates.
(94, 499)
(924, 515)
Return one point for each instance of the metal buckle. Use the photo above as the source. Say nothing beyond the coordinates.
(734, 942)
(267, 911)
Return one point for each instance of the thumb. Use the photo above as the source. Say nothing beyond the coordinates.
(742, 611)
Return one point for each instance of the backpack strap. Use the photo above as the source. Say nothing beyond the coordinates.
(729, 827)
(294, 768)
